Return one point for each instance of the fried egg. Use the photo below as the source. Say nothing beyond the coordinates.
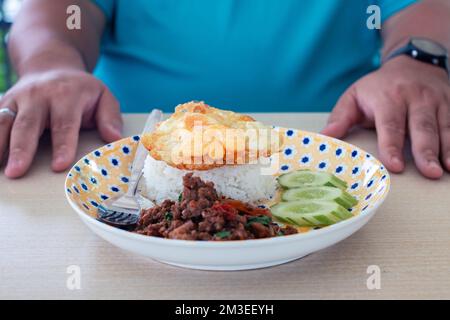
(200, 137)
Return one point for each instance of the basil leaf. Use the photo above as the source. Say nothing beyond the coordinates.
(222, 234)
(168, 216)
(265, 220)
(180, 197)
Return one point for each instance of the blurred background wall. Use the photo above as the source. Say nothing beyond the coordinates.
(8, 10)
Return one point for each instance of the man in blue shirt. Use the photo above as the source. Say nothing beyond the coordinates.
(246, 55)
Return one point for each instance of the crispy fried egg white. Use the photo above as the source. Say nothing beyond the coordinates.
(200, 137)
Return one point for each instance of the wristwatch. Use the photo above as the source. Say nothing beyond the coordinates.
(425, 50)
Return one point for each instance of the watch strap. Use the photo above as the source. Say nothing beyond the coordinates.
(416, 53)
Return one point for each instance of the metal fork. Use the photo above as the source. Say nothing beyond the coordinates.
(124, 211)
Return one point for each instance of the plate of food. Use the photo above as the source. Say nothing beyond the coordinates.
(221, 191)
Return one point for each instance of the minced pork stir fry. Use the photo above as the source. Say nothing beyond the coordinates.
(200, 214)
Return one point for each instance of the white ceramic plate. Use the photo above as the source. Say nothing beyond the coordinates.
(104, 173)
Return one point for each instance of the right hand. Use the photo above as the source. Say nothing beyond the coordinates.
(63, 101)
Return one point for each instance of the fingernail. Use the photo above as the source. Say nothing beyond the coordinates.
(329, 124)
(60, 159)
(435, 169)
(13, 167)
(331, 129)
(116, 130)
(15, 164)
(434, 164)
(396, 161)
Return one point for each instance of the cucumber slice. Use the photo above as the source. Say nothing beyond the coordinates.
(320, 193)
(310, 213)
(307, 178)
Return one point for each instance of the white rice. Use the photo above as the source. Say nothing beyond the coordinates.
(240, 182)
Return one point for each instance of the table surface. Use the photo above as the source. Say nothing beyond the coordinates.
(41, 236)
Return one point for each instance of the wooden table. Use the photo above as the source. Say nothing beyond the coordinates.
(409, 239)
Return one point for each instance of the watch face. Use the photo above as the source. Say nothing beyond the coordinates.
(429, 46)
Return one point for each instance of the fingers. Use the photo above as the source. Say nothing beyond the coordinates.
(6, 122)
(390, 123)
(444, 127)
(25, 133)
(65, 128)
(424, 133)
(344, 115)
(108, 117)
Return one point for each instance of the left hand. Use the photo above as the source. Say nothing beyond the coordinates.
(403, 97)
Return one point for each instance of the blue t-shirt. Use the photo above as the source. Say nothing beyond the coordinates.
(247, 55)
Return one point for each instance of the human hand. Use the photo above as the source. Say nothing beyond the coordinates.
(63, 101)
(404, 97)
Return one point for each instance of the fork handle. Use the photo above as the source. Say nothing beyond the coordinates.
(141, 153)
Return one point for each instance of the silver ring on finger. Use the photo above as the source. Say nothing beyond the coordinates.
(8, 111)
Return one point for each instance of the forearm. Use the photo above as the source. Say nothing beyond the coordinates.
(40, 39)
(428, 18)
